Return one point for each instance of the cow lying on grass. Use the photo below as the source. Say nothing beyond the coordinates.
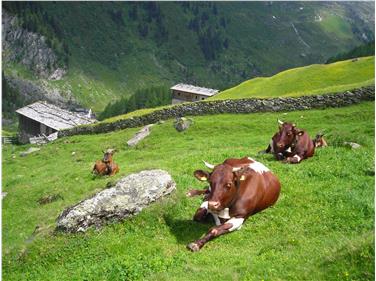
(238, 189)
(106, 166)
(292, 145)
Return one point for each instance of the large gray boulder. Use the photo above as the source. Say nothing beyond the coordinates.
(127, 198)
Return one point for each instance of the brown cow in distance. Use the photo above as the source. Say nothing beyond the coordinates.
(319, 141)
(238, 189)
(106, 166)
(291, 144)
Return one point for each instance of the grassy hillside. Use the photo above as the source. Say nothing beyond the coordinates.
(309, 80)
(116, 48)
(322, 227)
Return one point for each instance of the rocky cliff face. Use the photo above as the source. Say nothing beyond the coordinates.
(29, 49)
(21, 46)
(30, 91)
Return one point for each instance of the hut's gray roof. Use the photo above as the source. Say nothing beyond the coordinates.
(194, 89)
(53, 116)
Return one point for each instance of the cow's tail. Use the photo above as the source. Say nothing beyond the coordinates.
(267, 150)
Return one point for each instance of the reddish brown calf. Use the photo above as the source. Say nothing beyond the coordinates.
(106, 166)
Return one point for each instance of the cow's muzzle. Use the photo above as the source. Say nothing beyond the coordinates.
(280, 145)
(214, 206)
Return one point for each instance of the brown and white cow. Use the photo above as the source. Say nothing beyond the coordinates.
(291, 144)
(238, 188)
(106, 166)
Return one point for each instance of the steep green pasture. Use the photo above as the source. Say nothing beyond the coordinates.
(321, 228)
(308, 80)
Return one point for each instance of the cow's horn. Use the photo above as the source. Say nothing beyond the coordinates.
(235, 169)
(210, 166)
(280, 122)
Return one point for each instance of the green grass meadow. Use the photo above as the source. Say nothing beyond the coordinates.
(309, 80)
(321, 228)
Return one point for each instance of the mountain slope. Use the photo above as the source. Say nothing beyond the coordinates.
(116, 48)
(308, 80)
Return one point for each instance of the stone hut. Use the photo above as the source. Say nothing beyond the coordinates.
(44, 119)
(189, 93)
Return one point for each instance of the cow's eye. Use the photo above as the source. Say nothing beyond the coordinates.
(289, 133)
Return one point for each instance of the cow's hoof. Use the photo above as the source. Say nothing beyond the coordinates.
(193, 247)
(188, 194)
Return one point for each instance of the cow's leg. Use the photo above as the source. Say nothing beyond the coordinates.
(230, 225)
(279, 156)
(114, 168)
(196, 192)
(201, 213)
(295, 159)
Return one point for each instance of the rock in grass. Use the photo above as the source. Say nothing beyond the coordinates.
(127, 198)
(30, 150)
(182, 124)
(49, 198)
(140, 135)
(353, 145)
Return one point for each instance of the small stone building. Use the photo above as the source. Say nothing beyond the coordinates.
(189, 93)
(44, 119)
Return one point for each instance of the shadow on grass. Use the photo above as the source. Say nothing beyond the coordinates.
(186, 231)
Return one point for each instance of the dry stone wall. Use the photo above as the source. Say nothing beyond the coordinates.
(250, 105)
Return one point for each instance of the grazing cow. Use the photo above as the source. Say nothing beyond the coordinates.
(238, 189)
(291, 144)
(106, 166)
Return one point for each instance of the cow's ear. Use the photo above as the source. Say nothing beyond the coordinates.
(240, 175)
(201, 175)
(280, 124)
(300, 133)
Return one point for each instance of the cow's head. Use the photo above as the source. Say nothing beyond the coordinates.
(288, 133)
(319, 140)
(107, 155)
(224, 182)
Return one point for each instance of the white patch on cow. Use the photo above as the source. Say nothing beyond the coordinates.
(271, 146)
(236, 223)
(288, 149)
(205, 205)
(224, 214)
(216, 219)
(297, 157)
(257, 166)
